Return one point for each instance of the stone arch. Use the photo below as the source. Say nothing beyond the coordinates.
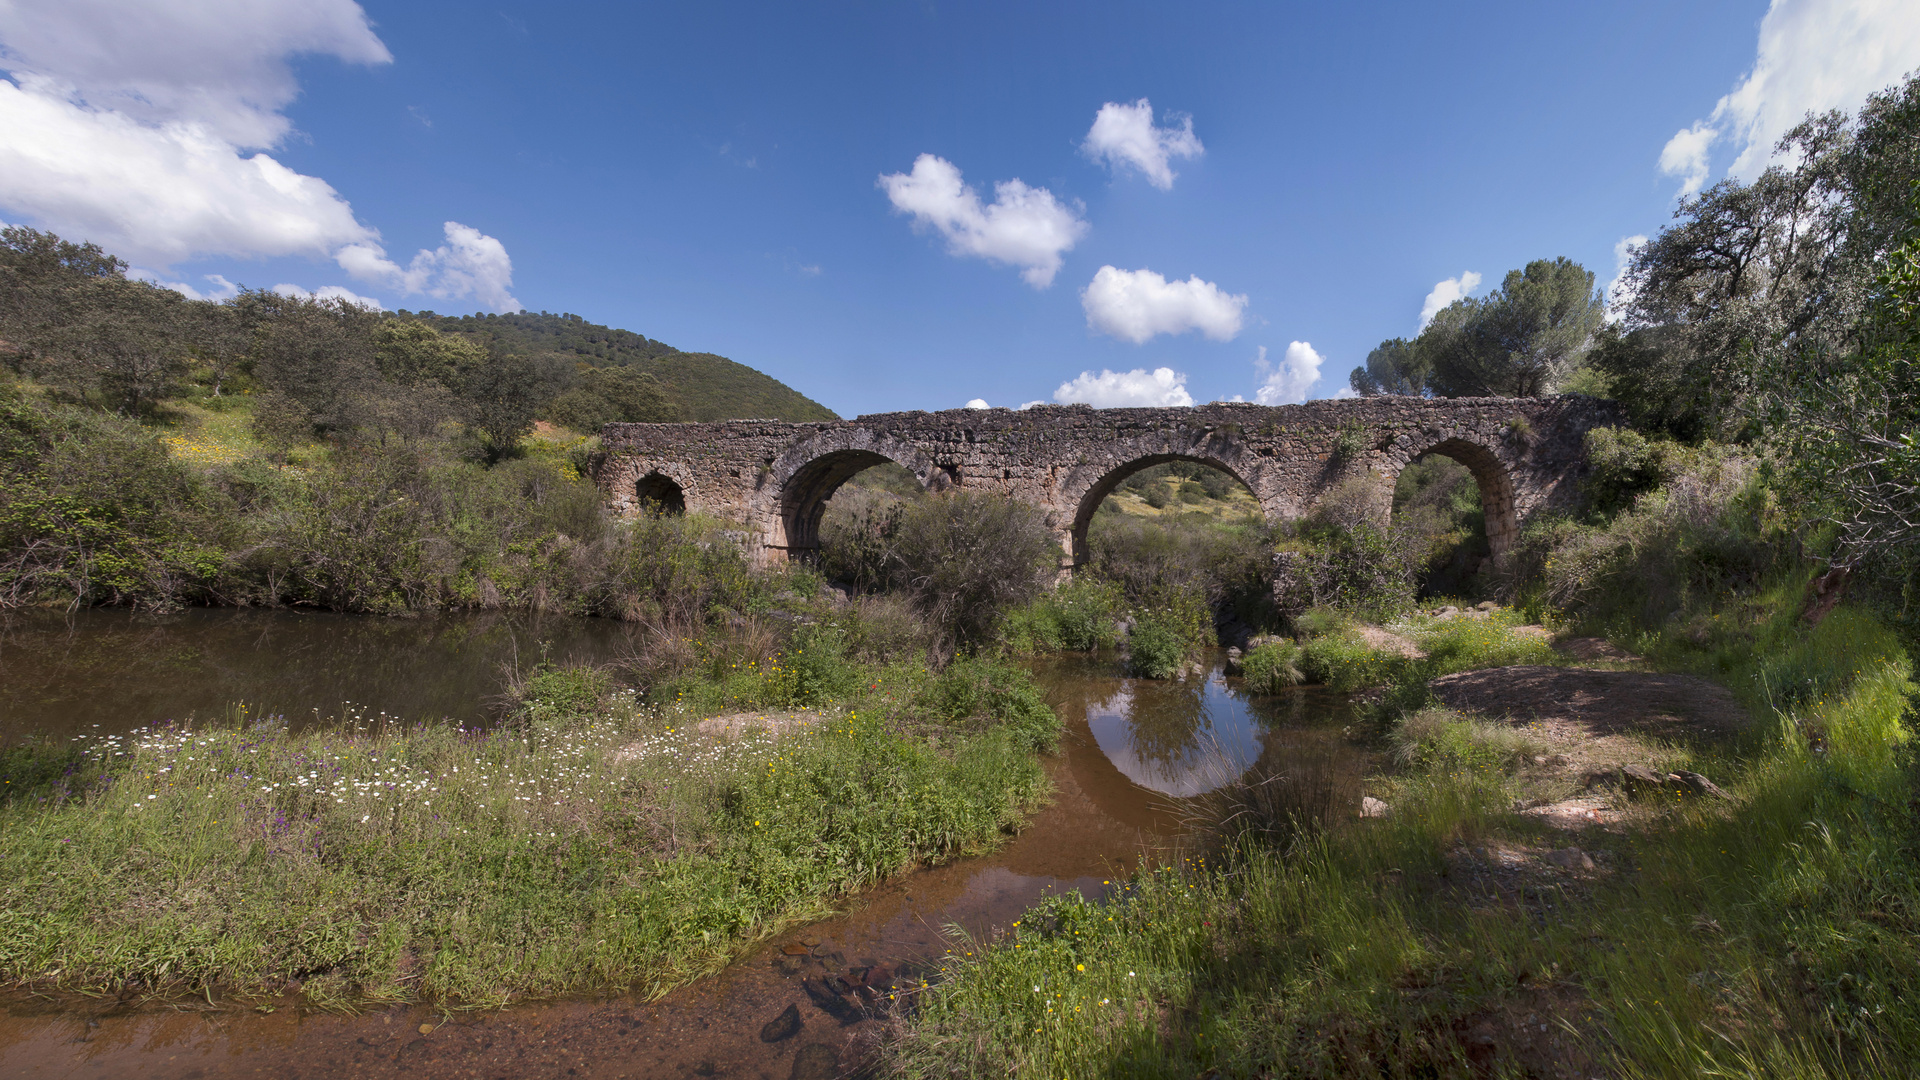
(806, 476)
(659, 492)
(1490, 471)
(1090, 499)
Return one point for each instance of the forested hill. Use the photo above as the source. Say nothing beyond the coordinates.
(704, 386)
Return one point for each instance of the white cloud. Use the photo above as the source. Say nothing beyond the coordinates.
(1025, 226)
(128, 123)
(1344, 393)
(157, 194)
(977, 403)
(470, 263)
(1134, 305)
(219, 64)
(222, 288)
(1686, 156)
(1123, 389)
(1125, 135)
(329, 292)
(1813, 55)
(1445, 293)
(1618, 294)
(1288, 382)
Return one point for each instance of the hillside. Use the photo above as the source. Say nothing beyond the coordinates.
(704, 386)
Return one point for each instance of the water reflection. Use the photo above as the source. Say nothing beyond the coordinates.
(1180, 738)
(109, 671)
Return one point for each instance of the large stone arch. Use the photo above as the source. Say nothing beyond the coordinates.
(1075, 543)
(1490, 460)
(805, 476)
(1083, 488)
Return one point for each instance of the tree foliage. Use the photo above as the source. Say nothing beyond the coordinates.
(1522, 340)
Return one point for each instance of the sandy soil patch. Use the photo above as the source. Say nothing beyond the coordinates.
(1592, 649)
(1383, 640)
(1581, 704)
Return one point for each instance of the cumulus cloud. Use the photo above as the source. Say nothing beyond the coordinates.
(977, 403)
(222, 288)
(1813, 55)
(1445, 293)
(1288, 382)
(329, 292)
(1024, 226)
(130, 123)
(1135, 305)
(221, 65)
(1123, 389)
(470, 263)
(1619, 295)
(1125, 136)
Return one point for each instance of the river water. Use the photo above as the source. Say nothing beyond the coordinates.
(1134, 754)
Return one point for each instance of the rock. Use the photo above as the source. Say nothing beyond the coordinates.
(1372, 807)
(426, 1029)
(1692, 783)
(784, 1026)
(1569, 859)
(1447, 612)
(1639, 780)
(1233, 661)
(815, 1062)
(824, 998)
(794, 948)
(1486, 605)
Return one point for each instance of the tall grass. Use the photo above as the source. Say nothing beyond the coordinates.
(595, 844)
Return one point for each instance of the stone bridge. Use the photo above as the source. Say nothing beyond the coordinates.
(775, 477)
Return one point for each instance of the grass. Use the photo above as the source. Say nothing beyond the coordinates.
(597, 843)
(1778, 935)
(1344, 659)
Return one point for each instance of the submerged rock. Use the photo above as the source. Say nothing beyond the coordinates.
(784, 1026)
(815, 1062)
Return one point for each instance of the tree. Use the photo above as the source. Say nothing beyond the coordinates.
(1395, 367)
(502, 395)
(317, 367)
(616, 395)
(1523, 340)
(1520, 341)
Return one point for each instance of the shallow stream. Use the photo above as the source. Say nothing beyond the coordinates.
(1134, 753)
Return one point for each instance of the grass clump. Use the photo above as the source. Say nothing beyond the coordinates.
(1273, 666)
(593, 843)
(1156, 648)
(1078, 616)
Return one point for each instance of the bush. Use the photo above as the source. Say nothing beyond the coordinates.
(1347, 663)
(976, 694)
(1155, 648)
(966, 557)
(1078, 616)
(1273, 666)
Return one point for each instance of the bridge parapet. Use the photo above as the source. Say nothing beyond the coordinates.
(1528, 455)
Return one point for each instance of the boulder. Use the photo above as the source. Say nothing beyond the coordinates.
(1639, 780)
(1692, 783)
(1569, 859)
(1372, 807)
(1233, 661)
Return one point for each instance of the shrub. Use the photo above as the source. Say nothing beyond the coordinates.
(1155, 648)
(1347, 663)
(973, 693)
(966, 557)
(1273, 667)
(1078, 615)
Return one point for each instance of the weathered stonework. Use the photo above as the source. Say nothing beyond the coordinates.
(775, 477)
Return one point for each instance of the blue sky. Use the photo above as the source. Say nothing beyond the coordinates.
(710, 174)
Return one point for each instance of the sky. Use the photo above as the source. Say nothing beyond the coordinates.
(914, 205)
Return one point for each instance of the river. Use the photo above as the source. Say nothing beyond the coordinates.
(1135, 753)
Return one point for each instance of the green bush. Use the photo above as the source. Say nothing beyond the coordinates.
(1273, 666)
(1346, 663)
(1078, 616)
(1156, 648)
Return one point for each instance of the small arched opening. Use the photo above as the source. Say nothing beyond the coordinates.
(659, 494)
(1456, 502)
